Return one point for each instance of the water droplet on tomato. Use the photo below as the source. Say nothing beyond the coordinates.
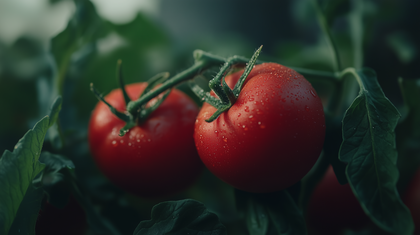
(129, 144)
(306, 107)
(246, 109)
(251, 99)
(148, 140)
(239, 114)
(250, 116)
(122, 141)
(114, 142)
(313, 94)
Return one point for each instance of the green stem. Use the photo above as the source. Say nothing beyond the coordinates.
(325, 28)
(321, 76)
(120, 79)
(203, 60)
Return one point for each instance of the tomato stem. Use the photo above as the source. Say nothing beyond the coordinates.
(323, 23)
(119, 114)
(121, 82)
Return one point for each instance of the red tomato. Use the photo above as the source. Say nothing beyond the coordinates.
(270, 138)
(333, 207)
(155, 157)
(411, 198)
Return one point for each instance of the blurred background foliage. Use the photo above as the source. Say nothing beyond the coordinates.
(61, 46)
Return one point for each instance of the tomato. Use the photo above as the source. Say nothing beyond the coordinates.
(411, 198)
(154, 158)
(271, 136)
(333, 207)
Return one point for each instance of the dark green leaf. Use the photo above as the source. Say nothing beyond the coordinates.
(27, 215)
(181, 218)
(278, 209)
(96, 221)
(83, 27)
(256, 214)
(55, 110)
(17, 171)
(53, 164)
(285, 215)
(369, 149)
(54, 133)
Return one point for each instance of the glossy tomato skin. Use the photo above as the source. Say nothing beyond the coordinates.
(333, 207)
(156, 157)
(270, 138)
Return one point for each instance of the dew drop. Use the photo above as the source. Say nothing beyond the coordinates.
(239, 114)
(246, 109)
(148, 140)
(129, 144)
(250, 116)
(114, 142)
(313, 94)
(122, 141)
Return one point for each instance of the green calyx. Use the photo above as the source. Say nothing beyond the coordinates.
(132, 117)
(227, 97)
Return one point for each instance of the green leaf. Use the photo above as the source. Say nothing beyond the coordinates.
(285, 215)
(17, 171)
(53, 133)
(369, 149)
(179, 218)
(277, 208)
(53, 164)
(81, 33)
(256, 214)
(97, 223)
(55, 110)
(27, 215)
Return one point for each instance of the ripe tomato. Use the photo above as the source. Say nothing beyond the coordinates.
(411, 198)
(333, 207)
(155, 157)
(270, 138)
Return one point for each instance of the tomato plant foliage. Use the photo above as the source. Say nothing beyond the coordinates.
(181, 217)
(369, 149)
